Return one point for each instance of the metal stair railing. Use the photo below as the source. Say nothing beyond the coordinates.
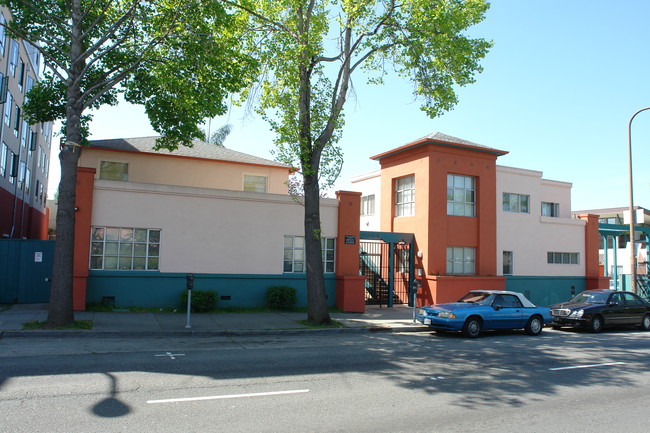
(375, 280)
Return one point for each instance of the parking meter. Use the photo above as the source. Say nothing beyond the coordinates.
(413, 291)
(189, 284)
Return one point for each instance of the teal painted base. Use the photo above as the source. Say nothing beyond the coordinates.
(153, 289)
(544, 291)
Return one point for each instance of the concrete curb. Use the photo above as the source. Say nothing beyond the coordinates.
(198, 334)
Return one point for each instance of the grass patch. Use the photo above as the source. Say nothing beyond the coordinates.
(332, 324)
(98, 307)
(79, 325)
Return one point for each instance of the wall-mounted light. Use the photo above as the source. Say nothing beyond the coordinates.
(420, 254)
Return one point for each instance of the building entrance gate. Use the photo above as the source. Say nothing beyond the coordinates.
(387, 262)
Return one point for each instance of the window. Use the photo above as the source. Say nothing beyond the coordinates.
(515, 202)
(109, 170)
(551, 209)
(461, 260)
(8, 106)
(562, 258)
(23, 135)
(21, 75)
(461, 195)
(13, 172)
(28, 179)
(507, 301)
(368, 205)
(254, 183)
(38, 185)
(13, 57)
(21, 174)
(507, 263)
(125, 249)
(33, 138)
(3, 35)
(17, 121)
(4, 152)
(294, 254)
(405, 196)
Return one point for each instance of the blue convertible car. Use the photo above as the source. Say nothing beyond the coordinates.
(479, 310)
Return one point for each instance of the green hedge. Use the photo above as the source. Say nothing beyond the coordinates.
(281, 298)
(203, 301)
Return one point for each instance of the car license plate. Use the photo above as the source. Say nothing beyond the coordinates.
(427, 321)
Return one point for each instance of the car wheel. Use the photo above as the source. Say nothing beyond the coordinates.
(472, 327)
(534, 326)
(645, 323)
(597, 324)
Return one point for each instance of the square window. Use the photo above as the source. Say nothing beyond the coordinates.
(109, 170)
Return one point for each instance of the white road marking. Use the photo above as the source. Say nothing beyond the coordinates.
(586, 366)
(220, 397)
(171, 355)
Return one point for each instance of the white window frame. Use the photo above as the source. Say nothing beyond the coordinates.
(368, 205)
(562, 258)
(294, 260)
(461, 260)
(461, 195)
(3, 159)
(8, 108)
(13, 57)
(550, 209)
(405, 196)
(516, 203)
(123, 249)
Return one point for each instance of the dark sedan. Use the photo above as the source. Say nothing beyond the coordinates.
(598, 309)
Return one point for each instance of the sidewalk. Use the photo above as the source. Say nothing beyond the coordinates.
(398, 319)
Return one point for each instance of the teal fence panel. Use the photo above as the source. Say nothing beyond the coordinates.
(25, 271)
(154, 289)
(546, 291)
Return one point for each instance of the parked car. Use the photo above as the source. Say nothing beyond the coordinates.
(482, 310)
(598, 309)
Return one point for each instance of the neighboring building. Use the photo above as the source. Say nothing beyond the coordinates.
(478, 225)
(614, 245)
(24, 149)
(146, 218)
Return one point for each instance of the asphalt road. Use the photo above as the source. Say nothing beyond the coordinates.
(328, 382)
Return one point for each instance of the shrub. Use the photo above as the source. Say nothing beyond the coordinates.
(281, 298)
(203, 301)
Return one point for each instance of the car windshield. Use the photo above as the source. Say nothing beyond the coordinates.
(477, 298)
(590, 298)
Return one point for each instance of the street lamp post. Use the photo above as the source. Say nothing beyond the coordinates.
(632, 216)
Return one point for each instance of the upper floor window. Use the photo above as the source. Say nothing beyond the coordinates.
(21, 75)
(13, 57)
(461, 260)
(405, 196)
(551, 209)
(254, 183)
(3, 35)
(368, 205)
(109, 170)
(516, 202)
(8, 107)
(17, 121)
(4, 154)
(562, 258)
(461, 195)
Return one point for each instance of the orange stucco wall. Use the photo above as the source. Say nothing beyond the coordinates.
(593, 274)
(433, 228)
(83, 214)
(350, 289)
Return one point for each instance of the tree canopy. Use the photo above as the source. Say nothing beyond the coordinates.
(309, 51)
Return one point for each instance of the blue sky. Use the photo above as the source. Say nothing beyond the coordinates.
(557, 92)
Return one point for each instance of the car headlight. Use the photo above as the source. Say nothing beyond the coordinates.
(576, 314)
(447, 315)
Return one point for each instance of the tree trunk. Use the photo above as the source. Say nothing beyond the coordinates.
(61, 308)
(317, 312)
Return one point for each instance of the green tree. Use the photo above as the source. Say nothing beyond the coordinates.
(176, 57)
(309, 51)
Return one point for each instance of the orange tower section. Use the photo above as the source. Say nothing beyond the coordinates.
(430, 160)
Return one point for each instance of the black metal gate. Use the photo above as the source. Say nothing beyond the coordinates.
(387, 267)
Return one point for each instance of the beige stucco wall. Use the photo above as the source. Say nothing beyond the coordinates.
(209, 230)
(185, 171)
(529, 235)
